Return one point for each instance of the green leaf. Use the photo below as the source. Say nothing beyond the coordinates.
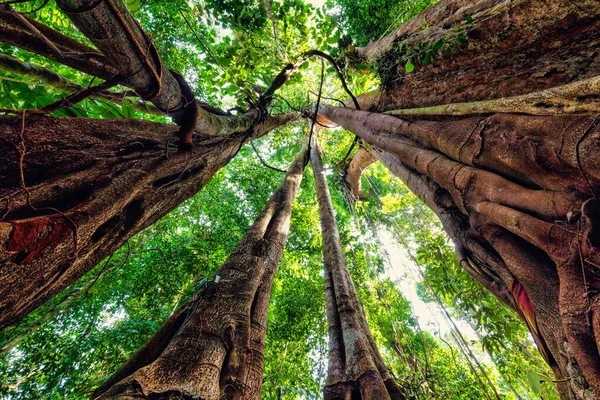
(534, 381)
(127, 109)
(409, 67)
(427, 58)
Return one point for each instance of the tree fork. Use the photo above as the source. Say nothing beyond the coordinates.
(219, 343)
(356, 368)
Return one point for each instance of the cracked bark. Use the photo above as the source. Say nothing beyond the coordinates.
(517, 195)
(515, 47)
(356, 369)
(90, 185)
(212, 348)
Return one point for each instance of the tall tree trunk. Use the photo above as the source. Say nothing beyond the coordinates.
(74, 190)
(517, 195)
(356, 369)
(212, 348)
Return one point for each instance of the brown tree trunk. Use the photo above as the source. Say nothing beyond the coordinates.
(517, 195)
(510, 48)
(212, 348)
(361, 160)
(73, 191)
(356, 369)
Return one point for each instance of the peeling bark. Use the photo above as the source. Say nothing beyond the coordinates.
(88, 186)
(356, 369)
(212, 348)
(521, 229)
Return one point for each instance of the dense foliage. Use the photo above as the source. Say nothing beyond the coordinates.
(67, 347)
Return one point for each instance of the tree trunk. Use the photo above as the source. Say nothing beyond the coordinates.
(517, 195)
(212, 348)
(356, 369)
(74, 190)
(510, 48)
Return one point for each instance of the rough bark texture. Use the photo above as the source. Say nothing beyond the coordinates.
(74, 190)
(126, 53)
(212, 348)
(356, 369)
(516, 194)
(514, 47)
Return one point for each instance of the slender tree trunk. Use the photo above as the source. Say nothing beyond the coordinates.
(356, 369)
(74, 190)
(517, 195)
(212, 348)
(361, 160)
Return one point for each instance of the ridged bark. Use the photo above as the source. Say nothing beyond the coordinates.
(517, 195)
(356, 369)
(212, 347)
(514, 47)
(73, 190)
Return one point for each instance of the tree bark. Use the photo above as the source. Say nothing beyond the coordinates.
(361, 160)
(74, 190)
(212, 348)
(514, 47)
(356, 369)
(517, 195)
(125, 53)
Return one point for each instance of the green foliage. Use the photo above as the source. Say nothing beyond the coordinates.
(370, 20)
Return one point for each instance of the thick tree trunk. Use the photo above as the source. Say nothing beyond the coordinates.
(74, 190)
(517, 195)
(356, 369)
(212, 348)
(127, 54)
(514, 47)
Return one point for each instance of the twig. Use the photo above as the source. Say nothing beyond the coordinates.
(327, 57)
(206, 49)
(263, 161)
(343, 160)
(83, 94)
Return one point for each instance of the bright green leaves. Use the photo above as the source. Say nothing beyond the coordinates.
(409, 66)
(370, 20)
